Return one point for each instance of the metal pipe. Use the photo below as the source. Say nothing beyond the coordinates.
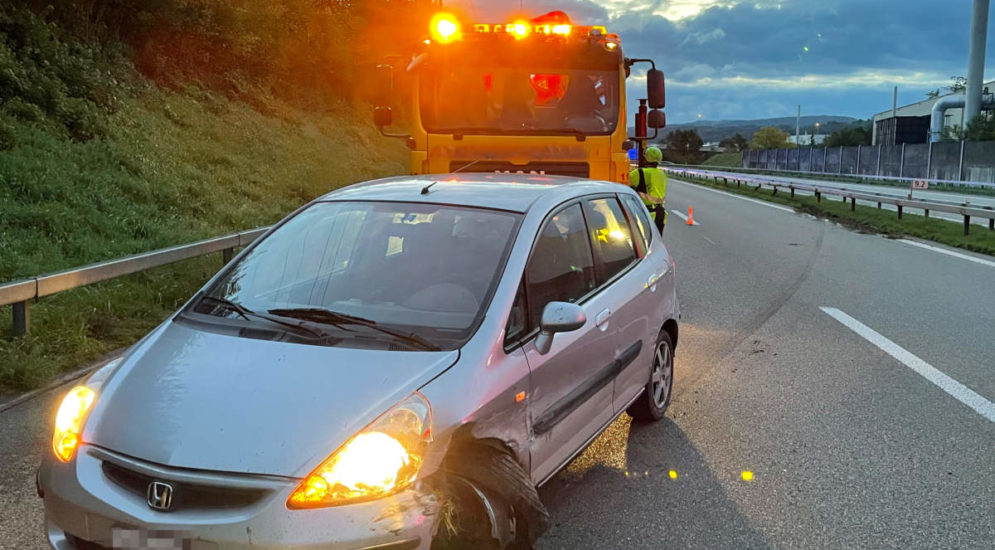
(939, 109)
(976, 60)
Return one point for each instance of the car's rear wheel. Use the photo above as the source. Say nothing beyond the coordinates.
(652, 404)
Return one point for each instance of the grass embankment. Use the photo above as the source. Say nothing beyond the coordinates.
(96, 163)
(725, 160)
(871, 219)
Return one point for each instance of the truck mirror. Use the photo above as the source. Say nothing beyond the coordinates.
(382, 117)
(628, 145)
(657, 119)
(656, 89)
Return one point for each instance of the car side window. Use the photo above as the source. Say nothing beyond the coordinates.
(642, 217)
(611, 235)
(561, 267)
(517, 320)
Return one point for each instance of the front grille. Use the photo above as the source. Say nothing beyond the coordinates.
(186, 496)
(573, 169)
(80, 544)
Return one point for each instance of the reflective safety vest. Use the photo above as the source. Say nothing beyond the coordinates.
(651, 181)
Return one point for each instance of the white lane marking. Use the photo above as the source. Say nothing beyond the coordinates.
(747, 199)
(707, 239)
(988, 263)
(682, 216)
(959, 391)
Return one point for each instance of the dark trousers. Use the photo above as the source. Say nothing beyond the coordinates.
(659, 218)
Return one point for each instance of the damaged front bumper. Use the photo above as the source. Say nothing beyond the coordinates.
(91, 506)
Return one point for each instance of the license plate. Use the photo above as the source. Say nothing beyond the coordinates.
(129, 538)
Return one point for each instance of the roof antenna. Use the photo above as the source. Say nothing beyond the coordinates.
(424, 190)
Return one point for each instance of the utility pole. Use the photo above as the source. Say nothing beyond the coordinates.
(976, 61)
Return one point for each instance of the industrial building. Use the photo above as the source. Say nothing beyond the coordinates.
(911, 123)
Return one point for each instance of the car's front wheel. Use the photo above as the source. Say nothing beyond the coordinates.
(652, 404)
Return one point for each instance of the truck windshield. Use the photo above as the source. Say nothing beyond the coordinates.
(512, 100)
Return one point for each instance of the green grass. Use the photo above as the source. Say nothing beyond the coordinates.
(874, 220)
(727, 160)
(97, 163)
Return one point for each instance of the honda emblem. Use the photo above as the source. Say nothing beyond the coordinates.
(160, 496)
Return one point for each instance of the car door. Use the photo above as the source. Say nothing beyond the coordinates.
(639, 302)
(571, 389)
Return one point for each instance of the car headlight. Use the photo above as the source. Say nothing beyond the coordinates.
(382, 459)
(69, 421)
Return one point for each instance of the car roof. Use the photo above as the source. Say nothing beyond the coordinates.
(513, 192)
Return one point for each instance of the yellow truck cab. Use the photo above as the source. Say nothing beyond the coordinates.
(539, 96)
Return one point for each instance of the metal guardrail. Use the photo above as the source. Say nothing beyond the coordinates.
(965, 210)
(20, 293)
(903, 179)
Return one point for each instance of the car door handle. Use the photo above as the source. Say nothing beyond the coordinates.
(655, 278)
(602, 319)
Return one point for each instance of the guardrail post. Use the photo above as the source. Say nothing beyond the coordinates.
(226, 255)
(853, 204)
(792, 191)
(879, 205)
(967, 224)
(22, 318)
(899, 211)
(818, 196)
(991, 224)
(926, 210)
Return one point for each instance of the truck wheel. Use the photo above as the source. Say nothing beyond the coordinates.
(652, 404)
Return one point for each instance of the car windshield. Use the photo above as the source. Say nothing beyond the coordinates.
(491, 98)
(423, 272)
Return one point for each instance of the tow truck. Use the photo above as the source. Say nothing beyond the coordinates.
(537, 96)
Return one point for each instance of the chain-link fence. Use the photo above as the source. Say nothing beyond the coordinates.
(949, 161)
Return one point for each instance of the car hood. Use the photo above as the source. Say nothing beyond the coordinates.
(190, 398)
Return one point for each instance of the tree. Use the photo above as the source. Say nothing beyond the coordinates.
(736, 143)
(981, 128)
(857, 134)
(958, 84)
(769, 137)
(684, 146)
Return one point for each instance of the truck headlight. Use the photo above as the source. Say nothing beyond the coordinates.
(382, 459)
(69, 421)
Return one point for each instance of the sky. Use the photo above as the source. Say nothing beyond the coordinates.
(740, 59)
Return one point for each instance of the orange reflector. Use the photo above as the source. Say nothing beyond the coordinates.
(519, 397)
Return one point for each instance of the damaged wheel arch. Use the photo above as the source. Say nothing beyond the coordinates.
(487, 498)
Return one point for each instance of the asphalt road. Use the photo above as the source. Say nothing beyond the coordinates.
(849, 447)
(949, 197)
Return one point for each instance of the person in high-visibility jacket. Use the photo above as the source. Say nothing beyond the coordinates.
(651, 184)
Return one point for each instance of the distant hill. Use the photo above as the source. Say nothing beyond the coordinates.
(717, 130)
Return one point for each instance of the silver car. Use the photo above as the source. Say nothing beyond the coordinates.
(397, 365)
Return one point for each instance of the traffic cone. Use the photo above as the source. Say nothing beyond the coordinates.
(690, 215)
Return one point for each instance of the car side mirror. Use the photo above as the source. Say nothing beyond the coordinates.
(657, 119)
(382, 117)
(656, 89)
(558, 317)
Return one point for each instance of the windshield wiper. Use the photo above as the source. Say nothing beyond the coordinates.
(335, 318)
(248, 313)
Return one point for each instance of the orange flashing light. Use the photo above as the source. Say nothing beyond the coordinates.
(563, 30)
(445, 28)
(519, 29)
